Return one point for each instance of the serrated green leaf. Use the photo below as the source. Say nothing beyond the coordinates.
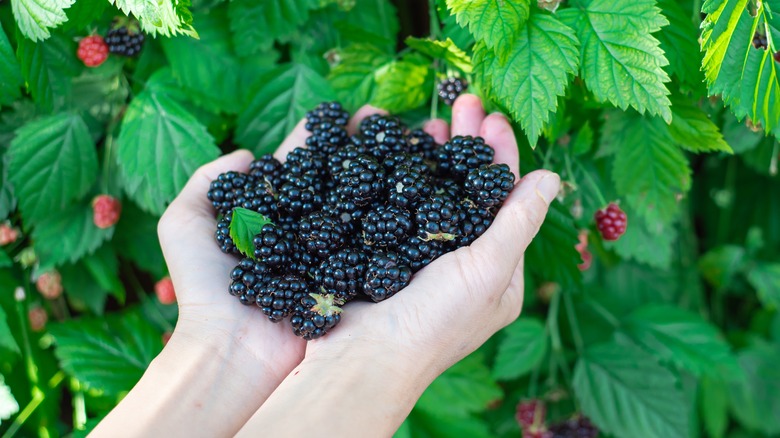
(104, 268)
(207, 67)
(35, 17)
(713, 406)
(555, 241)
(256, 25)
(746, 77)
(451, 29)
(463, 389)
(649, 169)
(9, 349)
(674, 335)
(276, 108)
(10, 75)
(8, 404)
(81, 290)
(161, 17)
(371, 21)
(75, 234)
(625, 392)
(421, 424)
(84, 12)
(765, 278)
(621, 62)
(679, 41)
(402, 86)
(694, 131)
(754, 401)
(47, 68)
(244, 226)
(719, 265)
(522, 348)
(536, 71)
(496, 23)
(446, 50)
(108, 354)
(651, 244)
(53, 162)
(136, 240)
(159, 147)
(353, 77)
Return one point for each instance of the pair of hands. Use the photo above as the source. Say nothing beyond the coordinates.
(449, 309)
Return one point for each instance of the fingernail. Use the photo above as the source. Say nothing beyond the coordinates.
(548, 187)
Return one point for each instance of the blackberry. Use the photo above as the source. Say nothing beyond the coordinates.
(611, 221)
(383, 135)
(398, 159)
(387, 226)
(473, 221)
(342, 273)
(531, 412)
(436, 218)
(279, 295)
(321, 234)
(247, 278)
(489, 185)
(222, 235)
(760, 41)
(314, 315)
(267, 169)
(577, 427)
(339, 160)
(301, 161)
(407, 185)
(362, 182)
(222, 191)
(447, 187)
(387, 273)
(345, 211)
(461, 155)
(327, 112)
(125, 42)
(451, 88)
(420, 253)
(300, 195)
(327, 138)
(273, 246)
(422, 144)
(258, 197)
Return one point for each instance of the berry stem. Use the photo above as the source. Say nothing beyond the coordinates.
(434, 17)
(574, 323)
(37, 398)
(606, 314)
(79, 405)
(435, 94)
(555, 337)
(600, 196)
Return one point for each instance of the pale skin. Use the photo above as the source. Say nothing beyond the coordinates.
(227, 371)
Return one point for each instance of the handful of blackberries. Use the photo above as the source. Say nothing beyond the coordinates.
(353, 217)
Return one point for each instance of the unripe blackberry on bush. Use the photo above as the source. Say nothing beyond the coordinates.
(92, 50)
(451, 88)
(164, 291)
(106, 211)
(38, 318)
(611, 222)
(8, 234)
(49, 284)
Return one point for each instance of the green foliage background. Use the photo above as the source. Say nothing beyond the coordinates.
(664, 106)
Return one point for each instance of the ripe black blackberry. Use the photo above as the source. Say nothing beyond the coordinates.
(247, 278)
(461, 155)
(267, 169)
(760, 41)
(451, 88)
(301, 161)
(344, 210)
(437, 218)
(256, 196)
(387, 226)
(420, 253)
(387, 273)
(339, 161)
(222, 235)
(327, 112)
(398, 159)
(222, 191)
(362, 182)
(327, 138)
(300, 195)
(576, 427)
(422, 144)
(473, 221)
(278, 296)
(321, 234)
(124, 41)
(382, 135)
(342, 273)
(273, 245)
(489, 185)
(407, 185)
(443, 186)
(314, 315)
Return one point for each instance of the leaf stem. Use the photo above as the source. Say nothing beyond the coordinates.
(38, 397)
(79, 405)
(592, 182)
(434, 17)
(574, 323)
(606, 314)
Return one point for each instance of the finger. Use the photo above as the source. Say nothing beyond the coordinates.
(362, 113)
(467, 115)
(498, 133)
(438, 129)
(297, 138)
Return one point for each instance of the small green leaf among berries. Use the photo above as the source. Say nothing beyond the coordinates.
(244, 226)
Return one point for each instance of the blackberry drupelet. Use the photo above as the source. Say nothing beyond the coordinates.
(387, 226)
(362, 182)
(437, 218)
(451, 88)
(489, 185)
(339, 160)
(267, 169)
(422, 144)
(327, 138)
(247, 278)
(473, 221)
(342, 273)
(223, 190)
(314, 315)
(398, 159)
(256, 196)
(279, 295)
(383, 135)
(387, 273)
(300, 195)
(327, 112)
(407, 185)
(222, 235)
(420, 253)
(274, 246)
(461, 155)
(321, 234)
(301, 161)
(125, 42)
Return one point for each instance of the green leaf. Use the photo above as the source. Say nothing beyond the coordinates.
(75, 234)
(677, 336)
(402, 86)
(207, 67)
(84, 12)
(421, 424)
(496, 23)
(276, 108)
(256, 25)
(47, 68)
(719, 265)
(371, 21)
(108, 354)
(161, 17)
(10, 75)
(446, 50)
(649, 243)
(136, 240)
(679, 41)
(693, 130)
(353, 77)
(35, 17)
(765, 278)
(555, 241)
(649, 169)
(53, 162)
(5, 260)
(9, 349)
(7, 199)
(713, 406)
(463, 389)
(521, 350)
(583, 141)
(621, 61)
(104, 268)
(536, 71)
(159, 147)
(754, 400)
(244, 226)
(625, 392)
(81, 289)
(8, 404)
(745, 77)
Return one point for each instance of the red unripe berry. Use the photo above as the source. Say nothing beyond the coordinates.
(530, 412)
(164, 291)
(93, 50)
(8, 234)
(105, 211)
(49, 284)
(38, 318)
(611, 222)
(582, 248)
